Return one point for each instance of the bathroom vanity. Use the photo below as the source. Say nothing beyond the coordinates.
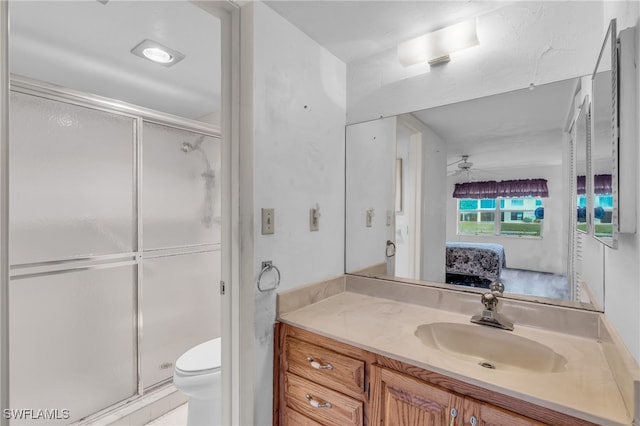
(362, 351)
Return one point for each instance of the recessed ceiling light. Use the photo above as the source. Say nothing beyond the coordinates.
(157, 55)
(156, 52)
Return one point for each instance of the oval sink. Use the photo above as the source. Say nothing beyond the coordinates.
(490, 347)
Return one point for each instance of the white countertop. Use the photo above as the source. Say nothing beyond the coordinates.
(585, 389)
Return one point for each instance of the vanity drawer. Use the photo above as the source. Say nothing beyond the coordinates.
(293, 418)
(324, 366)
(326, 406)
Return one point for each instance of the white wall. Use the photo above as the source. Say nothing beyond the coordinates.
(433, 233)
(370, 184)
(546, 254)
(622, 273)
(403, 265)
(293, 103)
(523, 43)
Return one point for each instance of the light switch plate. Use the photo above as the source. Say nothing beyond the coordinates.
(268, 221)
(314, 220)
(369, 217)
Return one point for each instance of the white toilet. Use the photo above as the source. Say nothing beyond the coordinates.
(198, 375)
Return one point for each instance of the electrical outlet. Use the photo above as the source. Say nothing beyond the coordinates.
(268, 221)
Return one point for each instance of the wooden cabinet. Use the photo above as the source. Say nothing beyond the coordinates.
(399, 400)
(324, 366)
(402, 400)
(321, 403)
(321, 381)
(494, 416)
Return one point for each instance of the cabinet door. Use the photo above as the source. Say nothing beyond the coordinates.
(494, 416)
(401, 400)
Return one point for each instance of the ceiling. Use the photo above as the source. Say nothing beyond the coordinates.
(85, 45)
(508, 130)
(353, 30)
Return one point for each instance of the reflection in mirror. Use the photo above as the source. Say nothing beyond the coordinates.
(579, 137)
(604, 157)
(486, 195)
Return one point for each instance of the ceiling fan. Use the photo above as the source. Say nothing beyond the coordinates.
(464, 166)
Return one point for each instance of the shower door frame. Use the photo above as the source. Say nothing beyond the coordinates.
(140, 116)
(4, 209)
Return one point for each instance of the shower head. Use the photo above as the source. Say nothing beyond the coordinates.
(188, 146)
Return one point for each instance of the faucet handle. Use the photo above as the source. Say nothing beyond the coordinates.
(490, 301)
(497, 287)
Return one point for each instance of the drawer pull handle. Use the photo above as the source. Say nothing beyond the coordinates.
(315, 364)
(454, 414)
(317, 404)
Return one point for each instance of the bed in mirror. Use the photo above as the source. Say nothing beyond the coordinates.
(489, 179)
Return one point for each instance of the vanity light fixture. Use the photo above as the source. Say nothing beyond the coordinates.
(156, 52)
(435, 47)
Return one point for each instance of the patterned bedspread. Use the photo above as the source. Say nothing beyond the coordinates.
(477, 259)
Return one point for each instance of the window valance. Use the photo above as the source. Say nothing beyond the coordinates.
(601, 184)
(505, 188)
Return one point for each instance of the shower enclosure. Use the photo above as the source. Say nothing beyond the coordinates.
(114, 250)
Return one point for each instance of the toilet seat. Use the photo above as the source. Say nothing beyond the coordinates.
(201, 359)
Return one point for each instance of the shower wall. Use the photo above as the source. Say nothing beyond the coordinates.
(114, 251)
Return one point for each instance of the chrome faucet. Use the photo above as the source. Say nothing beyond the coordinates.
(490, 315)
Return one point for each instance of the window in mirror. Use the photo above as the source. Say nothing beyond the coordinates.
(581, 214)
(603, 206)
(476, 217)
(501, 216)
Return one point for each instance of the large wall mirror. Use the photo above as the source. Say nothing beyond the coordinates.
(489, 179)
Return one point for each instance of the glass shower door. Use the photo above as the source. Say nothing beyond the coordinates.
(73, 270)
(181, 245)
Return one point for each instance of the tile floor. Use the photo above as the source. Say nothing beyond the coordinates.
(176, 417)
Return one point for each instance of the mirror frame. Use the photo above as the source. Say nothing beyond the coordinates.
(610, 42)
(580, 144)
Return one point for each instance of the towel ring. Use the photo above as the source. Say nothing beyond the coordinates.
(390, 250)
(266, 267)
